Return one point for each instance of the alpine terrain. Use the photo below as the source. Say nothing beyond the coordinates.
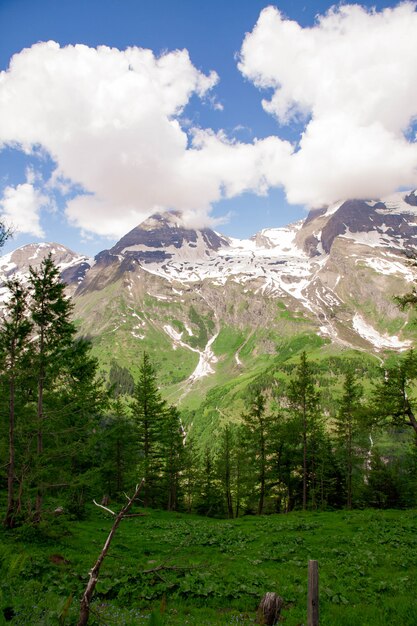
(212, 309)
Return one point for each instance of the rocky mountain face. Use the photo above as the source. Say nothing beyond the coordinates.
(211, 308)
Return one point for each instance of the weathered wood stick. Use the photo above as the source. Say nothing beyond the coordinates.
(269, 609)
(89, 590)
(313, 594)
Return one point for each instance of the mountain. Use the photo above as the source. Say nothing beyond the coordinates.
(72, 266)
(215, 311)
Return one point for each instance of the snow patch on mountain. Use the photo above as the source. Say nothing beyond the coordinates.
(380, 342)
(333, 208)
(386, 267)
(372, 239)
(206, 360)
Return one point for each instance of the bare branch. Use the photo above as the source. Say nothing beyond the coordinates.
(104, 507)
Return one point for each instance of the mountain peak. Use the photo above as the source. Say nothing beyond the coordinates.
(164, 236)
(163, 219)
(71, 265)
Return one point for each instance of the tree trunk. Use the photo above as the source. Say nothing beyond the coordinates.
(39, 448)
(304, 463)
(262, 476)
(9, 519)
(412, 418)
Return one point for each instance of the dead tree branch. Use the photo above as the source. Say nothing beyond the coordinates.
(89, 590)
(104, 507)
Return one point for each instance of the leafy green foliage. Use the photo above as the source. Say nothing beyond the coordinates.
(220, 569)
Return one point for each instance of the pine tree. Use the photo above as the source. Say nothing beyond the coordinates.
(14, 348)
(226, 466)
(348, 428)
(53, 335)
(117, 446)
(5, 233)
(190, 473)
(209, 498)
(74, 408)
(148, 412)
(257, 424)
(393, 397)
(120, 381)
(304, 399)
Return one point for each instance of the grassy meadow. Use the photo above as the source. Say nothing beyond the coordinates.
(214, 571)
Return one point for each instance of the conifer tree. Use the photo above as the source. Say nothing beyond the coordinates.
(226, 466)
(209, 499)
(15, 330)
(190, 473)
(148, 412)
(53, 335)
(242, 467)
(120, 380)
(257, 425)
(348, 427)
(117, 447)
(172, 457)
(75, 404)
(304, 399)
(393, 397)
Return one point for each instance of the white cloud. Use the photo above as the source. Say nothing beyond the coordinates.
(115, 121)
(20, 208)
(111, 120)
(352, 79)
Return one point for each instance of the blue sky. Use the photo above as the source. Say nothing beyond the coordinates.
(241, 158)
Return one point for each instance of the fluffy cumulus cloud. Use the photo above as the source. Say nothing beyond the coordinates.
(20, 208)
(111, 120)
(351, 78)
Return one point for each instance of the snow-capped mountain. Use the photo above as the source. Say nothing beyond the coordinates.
(214, 305)
(72, 266)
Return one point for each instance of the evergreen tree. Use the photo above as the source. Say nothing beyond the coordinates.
(393, 397)
(348, 426)
(148, 412)
(304, 398)
(209, 498)
(120, 381)
(117, 448)
(172, 456)
(15, 330)
(190, 473)
(53, 335)
(226, 468)
(257, 425)
(242, 468)
(285, 453)
(74, 408)
(5, 233)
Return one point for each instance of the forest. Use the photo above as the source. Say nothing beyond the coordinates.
(70, 432)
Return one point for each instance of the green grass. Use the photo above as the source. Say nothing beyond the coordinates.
(367, 563)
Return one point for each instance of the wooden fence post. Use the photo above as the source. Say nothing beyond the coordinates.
(313, 594)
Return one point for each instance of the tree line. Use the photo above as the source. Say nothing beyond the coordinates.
(68, 434)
